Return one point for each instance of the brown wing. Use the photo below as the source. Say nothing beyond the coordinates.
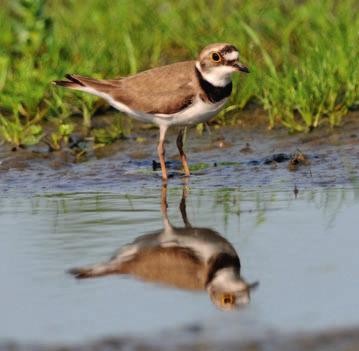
(177, 267)
(162, 90)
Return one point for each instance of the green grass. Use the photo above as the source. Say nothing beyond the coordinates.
(303, 55)
(19, 133)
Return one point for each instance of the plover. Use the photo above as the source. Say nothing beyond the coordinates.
(190, 258)
(180, 94)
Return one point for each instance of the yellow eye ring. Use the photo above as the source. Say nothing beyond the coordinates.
(227, 299)
(216, 57)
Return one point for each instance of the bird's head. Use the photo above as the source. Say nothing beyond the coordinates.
(217, 63)
(228, 290)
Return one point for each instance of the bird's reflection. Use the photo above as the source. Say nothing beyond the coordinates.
(190, 258)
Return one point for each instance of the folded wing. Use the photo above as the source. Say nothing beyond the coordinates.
(164, 90)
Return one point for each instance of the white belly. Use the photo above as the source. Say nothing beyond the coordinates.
(198, 112)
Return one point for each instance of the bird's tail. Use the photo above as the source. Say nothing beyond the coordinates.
(72, 82)
(89, 85)
(94, 271)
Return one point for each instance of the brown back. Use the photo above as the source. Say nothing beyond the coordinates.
(173, 266)
(164, 90)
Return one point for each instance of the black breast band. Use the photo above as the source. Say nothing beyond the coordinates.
(213, 93)
(223, 260)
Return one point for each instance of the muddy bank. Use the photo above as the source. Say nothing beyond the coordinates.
(196, 338)
(249, 156)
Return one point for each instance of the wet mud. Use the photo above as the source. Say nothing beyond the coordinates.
(195, 338)
(249, 157)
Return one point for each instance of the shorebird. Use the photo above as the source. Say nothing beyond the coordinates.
(180, 94)
(190, 258)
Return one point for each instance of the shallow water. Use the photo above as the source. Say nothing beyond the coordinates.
(301, 248)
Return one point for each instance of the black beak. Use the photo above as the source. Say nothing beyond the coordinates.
(253, 285)
(249, 287)
(241, 67)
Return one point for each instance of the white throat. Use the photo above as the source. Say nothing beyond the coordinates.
(218, 76)
(227, 279)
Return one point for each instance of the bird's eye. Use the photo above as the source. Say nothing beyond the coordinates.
(215, 57)
(227, 299)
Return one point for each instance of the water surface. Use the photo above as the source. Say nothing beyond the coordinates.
(302, 250)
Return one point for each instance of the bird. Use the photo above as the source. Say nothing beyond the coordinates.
(188, 258)
(180, 94)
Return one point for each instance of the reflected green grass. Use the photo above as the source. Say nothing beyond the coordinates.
(225, 202)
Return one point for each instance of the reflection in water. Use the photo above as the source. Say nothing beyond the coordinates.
(190, 258)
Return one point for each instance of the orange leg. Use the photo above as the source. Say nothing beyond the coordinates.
(161, 152)
(182, 154)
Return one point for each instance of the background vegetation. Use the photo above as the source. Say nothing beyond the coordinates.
(303, 56)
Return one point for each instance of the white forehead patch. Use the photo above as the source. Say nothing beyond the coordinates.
(230, 56)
